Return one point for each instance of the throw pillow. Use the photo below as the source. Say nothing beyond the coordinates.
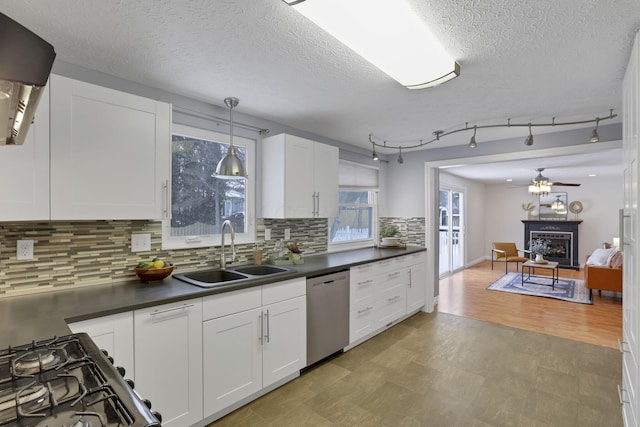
(600, 257)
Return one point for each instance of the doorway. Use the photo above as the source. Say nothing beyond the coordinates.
(451, 230)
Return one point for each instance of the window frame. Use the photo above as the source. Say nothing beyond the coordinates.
(361, 243)
(186, 242)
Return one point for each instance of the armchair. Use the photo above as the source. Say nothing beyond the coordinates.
(507, 252)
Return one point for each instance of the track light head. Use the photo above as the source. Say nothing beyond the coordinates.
(472, 142)
(374, 155)
(400, 159)
(594, 135)
(529, 140)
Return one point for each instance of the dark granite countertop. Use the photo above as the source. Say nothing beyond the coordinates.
(44, 315)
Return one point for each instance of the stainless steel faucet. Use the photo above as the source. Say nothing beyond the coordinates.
(223, 259)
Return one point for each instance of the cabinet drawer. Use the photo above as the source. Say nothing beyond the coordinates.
(283, 290)
(363, 272)
(391, 305)
(392, 279)
(219, 305)
(361, 322)
(360, 290)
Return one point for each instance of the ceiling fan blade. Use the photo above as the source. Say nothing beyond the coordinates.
(564, 184)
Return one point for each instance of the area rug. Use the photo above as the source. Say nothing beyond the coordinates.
(572, 290)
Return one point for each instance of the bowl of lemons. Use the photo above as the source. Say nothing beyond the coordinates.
(154, 271)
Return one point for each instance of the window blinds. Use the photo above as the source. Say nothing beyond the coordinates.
(357, 175)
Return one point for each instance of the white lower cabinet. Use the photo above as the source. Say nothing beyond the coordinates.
(168, 360)
(383, 292)
(252, 338)
(114, 334)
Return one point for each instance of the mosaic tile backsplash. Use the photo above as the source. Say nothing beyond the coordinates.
(85, 253)
(411, 229)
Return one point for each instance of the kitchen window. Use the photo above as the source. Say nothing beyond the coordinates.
(356, 224)
(200, 203)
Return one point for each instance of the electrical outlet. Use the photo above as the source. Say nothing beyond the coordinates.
(140, 242)
(267, 234)
(24, 249)
(287, 234)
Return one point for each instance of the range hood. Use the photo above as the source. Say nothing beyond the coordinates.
(25, 65)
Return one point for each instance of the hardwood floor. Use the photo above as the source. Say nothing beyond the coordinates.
(465, 294)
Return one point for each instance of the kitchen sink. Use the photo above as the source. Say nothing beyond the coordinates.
(260, 270)
(218, 276)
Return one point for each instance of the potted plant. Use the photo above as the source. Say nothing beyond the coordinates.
(539, 248)
(389, 233)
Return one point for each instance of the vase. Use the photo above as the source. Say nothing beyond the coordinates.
(539, 258)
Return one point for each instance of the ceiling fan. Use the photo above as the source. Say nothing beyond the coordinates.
(543, 180)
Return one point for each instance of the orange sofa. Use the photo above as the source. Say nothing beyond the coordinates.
(604, 278)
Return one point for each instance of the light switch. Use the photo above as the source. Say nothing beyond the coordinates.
(267, 234)
(287, 234)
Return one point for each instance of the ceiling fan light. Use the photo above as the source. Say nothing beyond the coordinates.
(394, 38)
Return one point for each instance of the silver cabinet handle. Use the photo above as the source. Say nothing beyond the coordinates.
(621, 345)
(165, 188)
(366, 282)
(397, 297)
(620, 392)
(267, 334)
(394, 274)
(318, 204)
(182, 307)
(261, 334)
(364, 310)
(313, 200)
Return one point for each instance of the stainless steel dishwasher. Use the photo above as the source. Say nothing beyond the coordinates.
(327, 315)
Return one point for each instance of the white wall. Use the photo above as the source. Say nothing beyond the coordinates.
(600, 196)
(474, 215)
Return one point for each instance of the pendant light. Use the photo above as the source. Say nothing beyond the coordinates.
(472, 142)
(529, 140)
(230, 167)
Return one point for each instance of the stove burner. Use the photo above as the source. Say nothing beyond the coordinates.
(32, 393)
(36, 361)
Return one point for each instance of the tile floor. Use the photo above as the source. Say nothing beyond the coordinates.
(444, 370)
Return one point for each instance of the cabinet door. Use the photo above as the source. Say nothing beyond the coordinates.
(299, 190)
(232, 348)
(417, 287)
(629, 233)
(168, 360)
(114, 334)
(110, 153)
(24, 171)
(285, 339)
(326, 161)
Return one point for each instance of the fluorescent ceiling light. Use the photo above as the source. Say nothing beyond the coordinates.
(387, 33)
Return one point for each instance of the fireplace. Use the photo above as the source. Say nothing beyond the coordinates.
(563, 236)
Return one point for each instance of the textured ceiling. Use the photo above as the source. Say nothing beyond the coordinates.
(528, 61)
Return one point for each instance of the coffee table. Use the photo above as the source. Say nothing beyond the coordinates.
(531, 269)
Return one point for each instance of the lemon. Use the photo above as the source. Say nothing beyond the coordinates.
(158, 264)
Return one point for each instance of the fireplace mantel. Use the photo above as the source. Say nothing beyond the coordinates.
(563, 229)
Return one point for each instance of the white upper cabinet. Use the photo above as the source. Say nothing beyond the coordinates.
(110, 153)
(299, 178)
(24, 171)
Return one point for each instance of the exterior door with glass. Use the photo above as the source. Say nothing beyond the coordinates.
(451, 230)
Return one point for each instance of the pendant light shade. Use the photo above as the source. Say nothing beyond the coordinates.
(230, 167)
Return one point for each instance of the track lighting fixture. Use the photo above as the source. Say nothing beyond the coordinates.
(529, 140)
(594, 135)
(374, 155)
(400, 159)
(473, 143)
(417, 143)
